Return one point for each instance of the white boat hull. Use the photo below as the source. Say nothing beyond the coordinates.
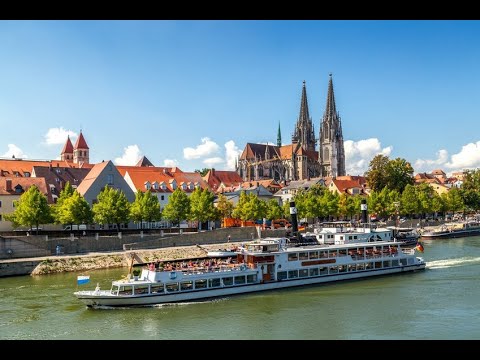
(104, 298)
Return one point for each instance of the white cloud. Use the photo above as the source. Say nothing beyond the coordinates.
(467, 158)
(358, 154)
(131, 155)
(427, 165)
(58, 136)
(206, 148)
(170, 163)
(14, 150)
(231, 154)
(210, 162)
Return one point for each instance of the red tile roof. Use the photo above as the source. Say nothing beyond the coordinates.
(81, 143)
(68, 147)
(25, 183)
(21, 166)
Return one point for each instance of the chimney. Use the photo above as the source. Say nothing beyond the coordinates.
(8, 184)
(50, 166)
(213, 172)
(58, 165)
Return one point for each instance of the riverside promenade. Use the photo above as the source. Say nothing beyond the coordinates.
(90, 253)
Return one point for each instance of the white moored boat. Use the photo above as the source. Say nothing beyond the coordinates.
(266, 264)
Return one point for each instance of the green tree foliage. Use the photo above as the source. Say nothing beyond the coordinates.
(74, 210)
(425, 198)
(112, 207)
(66, 193)
(224, 206)
(203, 172)
(409, 201)
(250, 207)
(471, 180)
(178, 207)
(274, 210)
(455, 200)
(31, 209)
(201, 206)
(399, 173)
(438, 203)
(376, 175)
(145, 208)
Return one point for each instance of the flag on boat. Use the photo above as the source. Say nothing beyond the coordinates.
(83, 279)
(419, 247)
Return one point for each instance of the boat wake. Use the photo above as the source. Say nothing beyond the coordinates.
(448, 263)
(105, 307)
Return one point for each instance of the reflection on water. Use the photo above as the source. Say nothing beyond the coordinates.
(438, 303)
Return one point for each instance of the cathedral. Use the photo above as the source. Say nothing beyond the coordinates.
(78, 154)
(300, 159)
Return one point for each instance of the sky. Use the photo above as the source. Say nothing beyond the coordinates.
(193, 93)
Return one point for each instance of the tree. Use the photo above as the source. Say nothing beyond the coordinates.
(112, 207)
(399, 173)
(274, 210)
(201, 206)
(178, 207)
(409, 200)
(250, 207)
(204, 171)
(145, 208)
(376, 175)
(31, 209)
(455, 200)
(224, 206)
(66, 193)
(74, 210)
(425, 197)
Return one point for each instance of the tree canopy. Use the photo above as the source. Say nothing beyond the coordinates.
(178, 207)
(112, 207)
(201, 206)
(145, 207)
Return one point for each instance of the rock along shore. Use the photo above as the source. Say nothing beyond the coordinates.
(96, 261)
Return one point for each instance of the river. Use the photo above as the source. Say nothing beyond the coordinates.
(438, 303)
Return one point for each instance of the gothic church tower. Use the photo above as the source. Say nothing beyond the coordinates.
(331, 151)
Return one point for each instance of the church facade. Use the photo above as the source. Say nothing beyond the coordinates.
(299, 160)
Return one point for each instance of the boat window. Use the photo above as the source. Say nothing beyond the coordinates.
(410, 261)
(332, 254)
(323, 254)
(342, 252)
(227, 281)
(239, 280)
(352, 268)
(387, 263)
(293, 257)
(201, 284)
(186, 285)
(403, 261)
(313, 255)
(341, 237)
(368, 266)
(171, 287)
(355, 237)
(378, 265)
(281, 275)
(314, 272)
(125, 290)
(350, 237)
(303, 256)
(394, 262)
(143, 289)
(333, 269)
(323, 270)
(157, 288)
(361, 267)
(214, 282)
(292, 274)
(303, 273)
(253, 278)
(342, 268)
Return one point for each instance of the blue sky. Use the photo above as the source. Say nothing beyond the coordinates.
(193, 93)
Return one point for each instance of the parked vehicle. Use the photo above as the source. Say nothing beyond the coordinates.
(75, 227)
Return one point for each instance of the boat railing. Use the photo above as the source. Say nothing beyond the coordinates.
(209, 269)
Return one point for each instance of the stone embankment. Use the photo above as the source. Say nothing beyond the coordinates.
(58, 264)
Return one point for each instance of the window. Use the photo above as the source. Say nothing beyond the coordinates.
(186, 285)
(214, 282)
(293, 257)
(314, 272)
(201, 284)
(239, 280)
(303, 256)
(228, 281)
(0, 203)
(303, 272)
(281, 275)
(110, 179)
(171, 287)
(292, 274)
(26, 174)
(162, 197)
(253, 278)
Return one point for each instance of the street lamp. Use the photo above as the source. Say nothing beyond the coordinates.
(397, 206)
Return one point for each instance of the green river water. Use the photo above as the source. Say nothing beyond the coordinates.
(441, 302)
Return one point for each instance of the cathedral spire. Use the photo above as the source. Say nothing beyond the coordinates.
(304, 129)
(279, 136)
(330, 109)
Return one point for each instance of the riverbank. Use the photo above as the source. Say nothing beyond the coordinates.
(96, 261)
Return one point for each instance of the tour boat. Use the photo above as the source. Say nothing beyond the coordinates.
(264, 264)
(453, 230)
